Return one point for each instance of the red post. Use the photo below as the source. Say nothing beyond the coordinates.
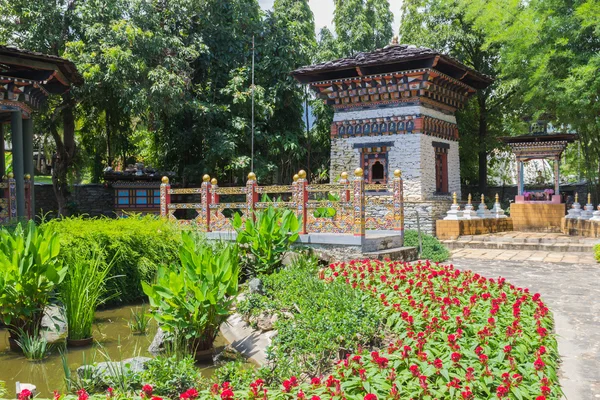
(205, 197)
(398, 188)
(165, 197)
(301, 204)
(28, 196)
(359, 202)
(251, 195)
(345, 193)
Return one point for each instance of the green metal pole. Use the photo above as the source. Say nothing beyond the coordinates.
(18, 167)
(28, 155)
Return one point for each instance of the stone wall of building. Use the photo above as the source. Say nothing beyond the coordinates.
(93, 200)
(413, 154)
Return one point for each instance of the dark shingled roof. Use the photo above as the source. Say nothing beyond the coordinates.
(393, 58)
(541, 137)
(67, 67)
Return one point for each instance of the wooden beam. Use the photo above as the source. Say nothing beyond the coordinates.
(35, 64)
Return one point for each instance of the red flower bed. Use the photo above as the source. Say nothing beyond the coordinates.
(454, 335)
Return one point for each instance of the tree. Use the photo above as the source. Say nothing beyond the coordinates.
(442, 25)
(47, 27)
(549, 51)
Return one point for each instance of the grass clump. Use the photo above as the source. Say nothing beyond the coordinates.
(433, 249)
(33, 345)
(597, 251)
(83, 291)
(139, 320)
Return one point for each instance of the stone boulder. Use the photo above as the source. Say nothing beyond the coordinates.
(158, 343)
(265, 322)
(107, 370)
(54, 323)
(256, 286)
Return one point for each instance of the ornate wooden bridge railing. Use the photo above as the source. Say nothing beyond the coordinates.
(322, 208)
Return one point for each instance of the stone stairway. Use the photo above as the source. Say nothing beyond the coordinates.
(527, 241)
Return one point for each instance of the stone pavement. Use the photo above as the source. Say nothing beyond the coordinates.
(526, 255)
(572, 291)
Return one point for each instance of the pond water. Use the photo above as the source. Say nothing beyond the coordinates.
(113, 337)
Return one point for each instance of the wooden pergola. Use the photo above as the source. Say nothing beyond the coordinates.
(27, 79)
(539, 145)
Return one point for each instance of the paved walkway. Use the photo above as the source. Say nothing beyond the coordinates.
(526, 255)
(572, 291)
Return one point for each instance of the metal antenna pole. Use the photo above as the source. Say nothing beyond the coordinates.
(252, 159)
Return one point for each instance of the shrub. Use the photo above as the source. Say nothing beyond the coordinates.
(29, 271)
(192, 299)
(432, 248)
(170, 376)
(267, 239)
(316, 322)
(597, 250)
(136, 244)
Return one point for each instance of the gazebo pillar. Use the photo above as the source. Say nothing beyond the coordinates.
(2, 152)
(28, 158)
(17, 155)
(520, 177)
(557, 175)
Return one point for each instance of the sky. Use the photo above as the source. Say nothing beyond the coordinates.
(323, 10)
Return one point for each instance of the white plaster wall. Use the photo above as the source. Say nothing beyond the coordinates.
(349, 115)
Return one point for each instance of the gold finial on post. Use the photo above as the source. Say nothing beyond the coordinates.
(302, 174)
(589, 198)
(251, 176)
(358, 172)
(206, 178)
(497, 198)
(296, 177)
(398, 173)
(344, 175)
(469, 198)
(483, 199)
(454, 198)
(11, 175)
(27, 177)
(395, 40)
(165, 180)
(214, 181)
(576, 197)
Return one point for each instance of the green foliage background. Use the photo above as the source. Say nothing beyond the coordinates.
(138, 245)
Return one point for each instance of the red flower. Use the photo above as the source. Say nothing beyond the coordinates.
(455, 357)
(483, 359)
(146, 391)
(370, 396)
(466, 394)
(315, 381)
(227, 394)
(540, 398)
(25, 394)
(502, 391)
(539, 364)
(545, 390)
(414, 369)
(191, 394)
(437, 363)
(82, 395)
(57, 395)
(507, 348)
(315, 398)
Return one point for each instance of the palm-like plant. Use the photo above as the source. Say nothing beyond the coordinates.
(29, 271)
(192, 299)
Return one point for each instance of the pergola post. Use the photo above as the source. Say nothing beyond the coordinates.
(557, 175)
(17, 155)
(520, 177)
(28, 159)
(2, 152)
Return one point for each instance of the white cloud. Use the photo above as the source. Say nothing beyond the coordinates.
(323, 10)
